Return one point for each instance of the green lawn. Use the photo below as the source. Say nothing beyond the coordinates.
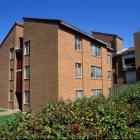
(5, 118)
(2, 110)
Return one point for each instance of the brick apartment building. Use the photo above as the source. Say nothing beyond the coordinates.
(137, 52)
(44, 60)
(123, 59)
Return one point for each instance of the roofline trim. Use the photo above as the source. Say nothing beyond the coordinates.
(114, 35)
(66, 25)
(15, 24)
(82, 32)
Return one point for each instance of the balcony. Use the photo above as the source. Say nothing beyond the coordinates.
(129, 66)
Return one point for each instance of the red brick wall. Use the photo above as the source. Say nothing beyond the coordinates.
(137, 53)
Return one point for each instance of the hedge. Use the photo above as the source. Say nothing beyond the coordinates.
(115, 117)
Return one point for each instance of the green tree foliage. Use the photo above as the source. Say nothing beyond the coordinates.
(115, 117)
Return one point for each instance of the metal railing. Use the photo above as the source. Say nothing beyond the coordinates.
(116, 88)
(131, 65)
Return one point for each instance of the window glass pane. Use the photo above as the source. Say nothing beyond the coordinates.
(108, 59)
(96, 93)
(12, 53)
(99, 51)
(11, 74)
(109, 75)
(27, 48)
(78, 68)
(11, 96)
(79, 94)
(95, 72)
(95, 50)
(99, 72)
(27, 97)
(109, 91)
(27, 72)
(78, 42)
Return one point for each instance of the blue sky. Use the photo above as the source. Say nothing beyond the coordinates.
(120, 17)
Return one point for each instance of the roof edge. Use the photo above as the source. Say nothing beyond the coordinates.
(40, 19)
(15, 24)
(66, 25)
(19, 24)
(115, 35)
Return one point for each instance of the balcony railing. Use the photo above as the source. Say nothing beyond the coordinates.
(129, 66)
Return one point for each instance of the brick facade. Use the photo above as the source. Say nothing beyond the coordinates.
(52, 61)
(115, 42)
(137, 53)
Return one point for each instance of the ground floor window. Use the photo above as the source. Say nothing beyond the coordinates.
(79, 94)
(109, 91)
(11, 96)
(26, 97)
(96, 92)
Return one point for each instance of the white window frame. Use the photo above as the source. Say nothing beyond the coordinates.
(11, 96)
(95, 50)
(11, 54)
(79, 94)
(96, 72)
(109, 75)
(96, 92)
(27, 48)
(78, 43)
(25, 72)
(26, 101)
(11, 74)
(109, 91)
(78, 70)
(108, 59)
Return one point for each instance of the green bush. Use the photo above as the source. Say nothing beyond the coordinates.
(115, 117)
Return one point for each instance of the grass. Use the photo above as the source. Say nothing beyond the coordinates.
(2, 110)
(4, 118)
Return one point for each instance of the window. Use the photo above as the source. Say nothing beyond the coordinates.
(11, 76)
(108, 59)
(78, 43)
(12, 53)
(27, 72)
(78, 70)
(79, 94)
(96, 93)
(11, 96)
(95, 50)
(27, 48)
(95, 72)
(26, 97)
(109, 75)
(109, 91)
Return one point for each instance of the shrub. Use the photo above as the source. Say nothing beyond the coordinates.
(115, 117)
